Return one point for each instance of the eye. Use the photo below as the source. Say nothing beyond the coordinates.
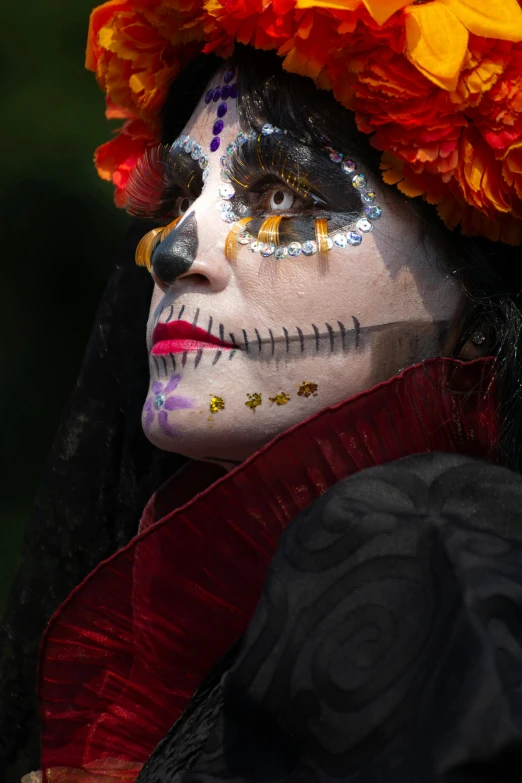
(182, 205)
(280, 199)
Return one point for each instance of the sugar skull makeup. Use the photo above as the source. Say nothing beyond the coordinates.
(281, 285)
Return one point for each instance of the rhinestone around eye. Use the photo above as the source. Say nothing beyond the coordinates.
(348, 166)
(244, 238)
(224, 161)
(359, 181)
(227, 192)
(340, 239)
(267, 249)
(373, 212)
(309, 248)
(231, 147)
(180, 142)
(229, 217)
(294, 249)
(368, 196)
(206, 174)
(336, 156)
(223, 206)
(267, 129)
(363, 225)
(242, 138)
(354, 238)
(189, 144)
(197, 152)
(225, 176)
(203, 161)
(256, 246)
(281, 252)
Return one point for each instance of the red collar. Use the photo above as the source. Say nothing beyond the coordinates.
(124, 653)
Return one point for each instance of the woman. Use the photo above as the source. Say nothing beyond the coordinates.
(309, 327)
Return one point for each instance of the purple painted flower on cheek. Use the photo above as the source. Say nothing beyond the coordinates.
(162, 400)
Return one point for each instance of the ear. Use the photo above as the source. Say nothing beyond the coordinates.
(479, 344)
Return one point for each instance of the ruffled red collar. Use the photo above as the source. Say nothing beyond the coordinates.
(124, 653)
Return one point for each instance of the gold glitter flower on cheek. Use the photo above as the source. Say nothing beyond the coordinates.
(216, 404)
(280, 399)
(307, 389)
(254, 400)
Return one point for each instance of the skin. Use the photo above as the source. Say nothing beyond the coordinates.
(393, 303)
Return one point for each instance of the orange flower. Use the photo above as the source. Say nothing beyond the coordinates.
(116, 159)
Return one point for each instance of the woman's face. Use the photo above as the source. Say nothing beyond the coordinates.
(243, 348)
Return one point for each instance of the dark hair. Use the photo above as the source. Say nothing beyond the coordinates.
(490, 273)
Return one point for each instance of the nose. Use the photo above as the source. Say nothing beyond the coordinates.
(175, 255)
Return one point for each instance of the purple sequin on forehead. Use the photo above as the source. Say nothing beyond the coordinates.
(226, 91)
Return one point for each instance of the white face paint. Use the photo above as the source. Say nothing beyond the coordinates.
(309, 332)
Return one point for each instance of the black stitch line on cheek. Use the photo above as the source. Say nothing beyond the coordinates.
(173, 362)
(181, 312)
(233, 339)
(246, 340)
(316, 330)
(209, 330)
(164, 364)
(357, 327)
(232, 353)
(343, 332)
(331, 335)
(170, 314)
(217, 357)
(199, 354)
(194, 322)
(272, 341)
(259, 343)
(285, 331)
(184, 359)
(222, 333)
(157, 365)
(301, 338)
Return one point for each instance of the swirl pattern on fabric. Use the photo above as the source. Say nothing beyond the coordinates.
(387, 645)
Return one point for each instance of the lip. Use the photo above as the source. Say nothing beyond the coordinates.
(180, 336)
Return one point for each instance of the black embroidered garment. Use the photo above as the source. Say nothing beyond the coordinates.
(387, 645)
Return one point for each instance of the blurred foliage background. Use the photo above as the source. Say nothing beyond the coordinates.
(60, 238)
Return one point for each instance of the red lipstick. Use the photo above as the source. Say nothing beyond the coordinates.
(179, 336)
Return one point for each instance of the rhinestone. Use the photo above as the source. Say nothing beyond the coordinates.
(208, 96)
(242, 138)
(214, 144)
(478, 338)
(227, 192)
(359, 181)
(309, 248)
(216, 95)
(224, 206)
(225, 92)
(245, 238)
(354, 238)
(348, 166)
(231, 147)
(336, 156)
(233, 90)
(203, 162)
(206, 174)
(328, 242)
(267, 129)
(294, 249)
(368, 196)
(159, 401)
(228, 76)
(281, 252)
(340, 239)
(225, 175)
(363, 225)
(217, 127)
(222, 108)
(267, 249)
(197, 152)
(373, 212)
(256, 246)
(181, 141)
(224, 161)
(229, 217)
(189, 144)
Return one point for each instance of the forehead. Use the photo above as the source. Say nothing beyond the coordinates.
(215, 121)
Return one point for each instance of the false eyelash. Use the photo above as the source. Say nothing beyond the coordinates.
(159, 177)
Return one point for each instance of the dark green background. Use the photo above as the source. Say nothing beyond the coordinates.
(60, 237)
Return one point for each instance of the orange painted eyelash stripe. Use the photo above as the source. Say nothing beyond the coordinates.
(148, 243)
(321, 234)
(231, 243)
(269, 230)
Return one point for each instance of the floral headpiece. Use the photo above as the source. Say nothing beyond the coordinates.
(437, 84)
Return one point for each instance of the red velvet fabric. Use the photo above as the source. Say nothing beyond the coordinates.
(123, 655)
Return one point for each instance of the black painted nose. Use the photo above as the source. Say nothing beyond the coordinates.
(177, 252)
